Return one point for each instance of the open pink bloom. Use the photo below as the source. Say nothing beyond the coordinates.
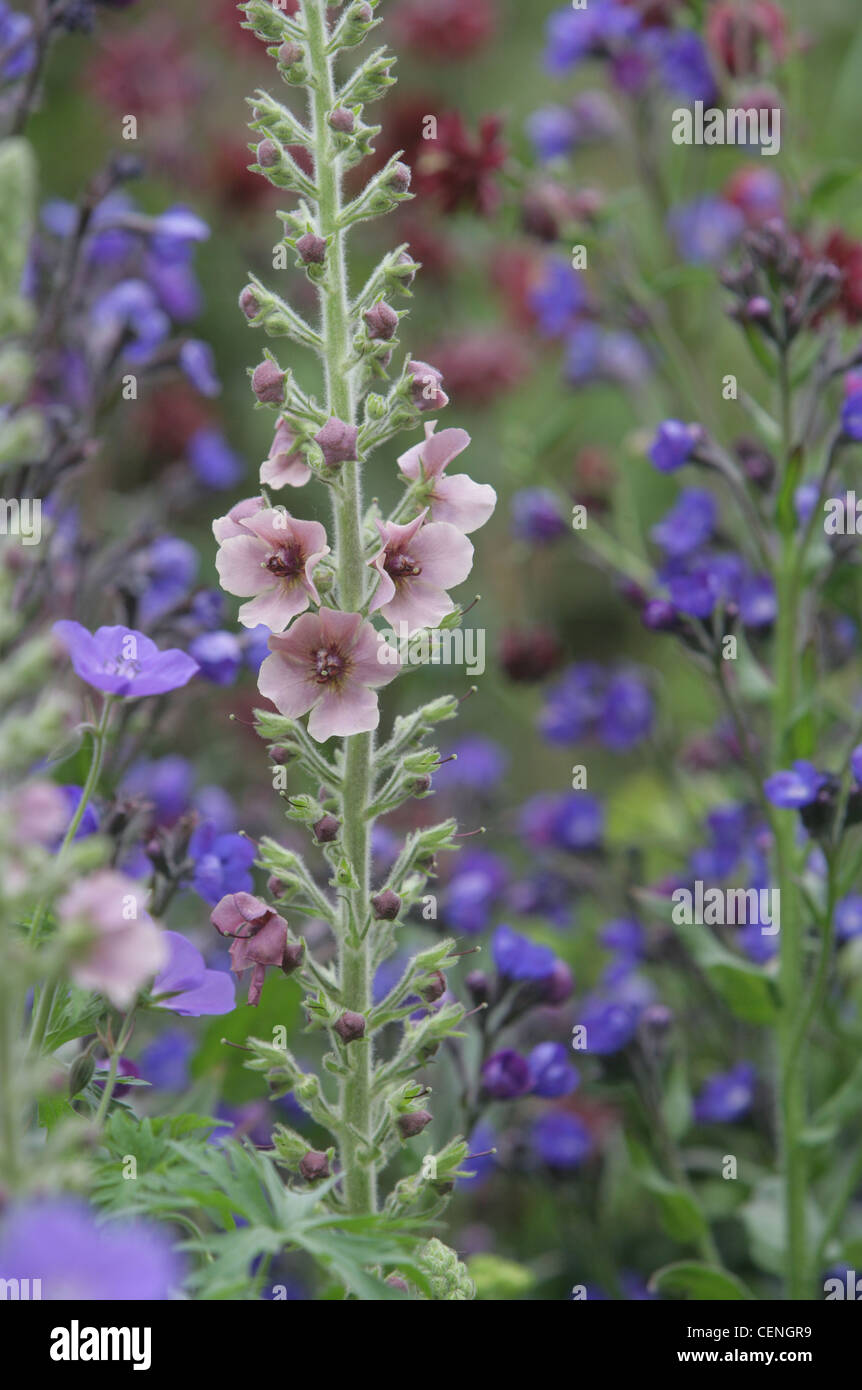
(273, 558)
(231, 525)
(417, 563)
(125, 947)
(259, 937)
(285, 465)
(459, 501)
(328, 663)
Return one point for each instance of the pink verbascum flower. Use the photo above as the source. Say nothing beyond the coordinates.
(459, 501)
(284, 466)
(417, 563)
(259, 937)
(231, 524)
(121, 948)
(329, 663)
(272, 559)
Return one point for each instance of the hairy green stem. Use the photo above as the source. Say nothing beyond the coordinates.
(354, 962)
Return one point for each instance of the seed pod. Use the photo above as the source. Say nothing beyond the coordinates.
(326, 829)
(386, 905)
(413, 1123)
(314, 1166)
(350, 1027)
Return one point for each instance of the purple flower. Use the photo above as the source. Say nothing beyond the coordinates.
(165, 1061)
(673, 445)
(89, 820)
(174, 230)
(193, 989)
(553, 131)
(121, 661)
(578, 823)
(559, 297)
(627, 715)
(542, 894)
(482, 1139)
(16, 40)
(473, 890)
(726, 1097)
(561, 1140)
(506, 1075)
(856, 762)
(689, 524)
(794, 787)
(59, 1242)
(758, 602)
(166, 782)
(625, 935)
(130, 313)
(851, 416)
(518, 958)
(168, 568)
(219, 656)
(609, 1024)
(806, 495)
(551, 1072)
(537, 516)
(198, 363)
(848, 917)
(684, 65)
(479, 764)
(705, 229)
(222, 862)
(212, 460)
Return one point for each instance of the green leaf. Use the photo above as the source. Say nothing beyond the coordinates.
(746, 990)
(699, 1283)
(680, 1215)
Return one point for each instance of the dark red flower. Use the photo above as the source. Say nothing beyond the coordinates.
(478, 367)
(232, 182)
(743, 35)
(458, 169)
(445, 29)
(529, 654)
(846, 254)
(148, 70)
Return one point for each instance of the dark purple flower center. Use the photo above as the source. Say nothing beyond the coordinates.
(330, 665)
(286, 562)
(399, 565)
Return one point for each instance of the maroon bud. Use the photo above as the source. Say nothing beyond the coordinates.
(311, 248)
(659, 615)
(478, 986)
(326, 829)
(558, 986)
(413, 1123)
(248, 303)
(758, 308)
(280, 755)
(409, 274)
(314, 1165)
(289, 53)
(529, 654)
(350, 1027)
(382, 321)
(435, 988)
(275, 887)
(268, 154)
(267, 382)
(399, 177)
(422, 785)
(387, 905)
(394, 1280)
(342, 120)
(338, 441)
(657, 1019)
(292, 958)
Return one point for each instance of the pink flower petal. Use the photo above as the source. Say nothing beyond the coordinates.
(240, 565)
(445, 554)
(351, 710)
(462, 503)
(276, 607)
(288, 684)
(434, 454)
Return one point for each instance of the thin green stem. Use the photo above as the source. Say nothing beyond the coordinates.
(354, 962)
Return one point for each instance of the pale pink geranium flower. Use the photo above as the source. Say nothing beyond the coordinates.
(417, 563)
(121, 948)
(284, 466)
(458, 500)
(272, 559)
(328, 663)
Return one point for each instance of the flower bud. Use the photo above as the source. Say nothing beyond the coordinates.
(289, 53)
(394, 1280)
(311, 248)
(425, 387)
(248, 303)
(342, 120)
(268, 154)
(338, 441)
(478, 986)
(267, 382)
(382, 321)
(399, 177)
(326, 829)
(435, 988)
(275, 887)
(314, 1166)
(387, 905)
(413, 1123)
(557, 987)
(350, 1027)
